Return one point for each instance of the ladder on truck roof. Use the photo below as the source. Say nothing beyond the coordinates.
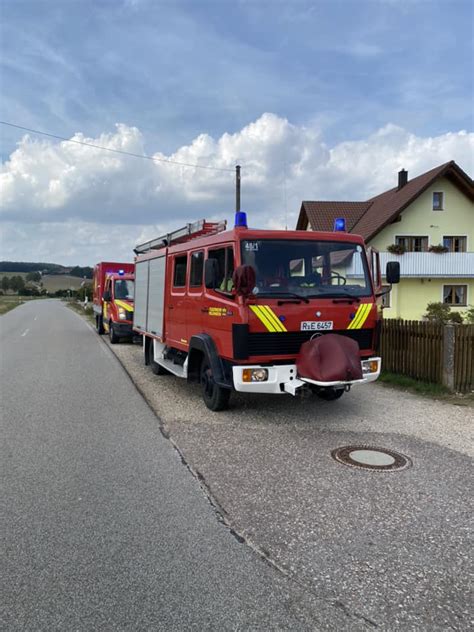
(201, 228)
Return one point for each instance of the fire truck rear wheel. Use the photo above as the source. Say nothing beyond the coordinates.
(156, 368)
(99, 325)
(215, 397)
(330, 394)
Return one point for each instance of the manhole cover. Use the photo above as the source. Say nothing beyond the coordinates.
(371, 458)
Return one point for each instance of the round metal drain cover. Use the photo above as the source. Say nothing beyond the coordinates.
(371, 458)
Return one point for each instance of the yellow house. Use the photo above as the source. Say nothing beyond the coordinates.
(429, 220)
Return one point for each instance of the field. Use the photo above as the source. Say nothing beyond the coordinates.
(53, 282)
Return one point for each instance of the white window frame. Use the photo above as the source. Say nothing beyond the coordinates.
(466, 285)
(438, 210)
(387, 297)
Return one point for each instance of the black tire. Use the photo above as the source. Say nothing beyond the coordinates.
(330, 394)
(156, 368)
(99, 325)
(215, 397)
(114, 339)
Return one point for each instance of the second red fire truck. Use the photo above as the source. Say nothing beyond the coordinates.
(260, 311)
(113, 289)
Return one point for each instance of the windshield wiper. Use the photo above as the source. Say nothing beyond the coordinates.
(297, 297)
(343, 296)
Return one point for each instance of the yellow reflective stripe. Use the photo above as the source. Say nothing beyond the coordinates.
(365, 316)
(274, 318)
(125, 306)
(256, 309)
(361, 316)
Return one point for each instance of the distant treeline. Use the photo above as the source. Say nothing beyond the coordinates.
(45, 268)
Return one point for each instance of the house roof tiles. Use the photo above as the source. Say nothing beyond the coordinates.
(370, 217)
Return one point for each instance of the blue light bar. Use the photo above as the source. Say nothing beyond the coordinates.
(340, 224)
(121, 272)
(241, 220)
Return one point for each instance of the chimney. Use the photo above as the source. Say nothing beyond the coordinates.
(402, 178)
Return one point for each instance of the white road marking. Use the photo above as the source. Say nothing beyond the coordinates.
(35, 317)
(25, 332)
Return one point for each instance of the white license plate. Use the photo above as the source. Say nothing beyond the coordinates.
(316, 325)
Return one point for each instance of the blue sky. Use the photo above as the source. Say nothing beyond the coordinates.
(175, 70)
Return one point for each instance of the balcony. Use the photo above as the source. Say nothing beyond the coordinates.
(426, 264)
(431, 264)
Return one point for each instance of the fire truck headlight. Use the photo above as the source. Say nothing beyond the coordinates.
(254, 375)
(122, 314)
(369, 366)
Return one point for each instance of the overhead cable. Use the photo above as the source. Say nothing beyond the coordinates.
(116, 151)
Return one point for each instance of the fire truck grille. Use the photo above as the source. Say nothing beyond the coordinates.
(289, 343)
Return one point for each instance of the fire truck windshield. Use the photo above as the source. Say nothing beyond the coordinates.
(307, 268)
(124, 289)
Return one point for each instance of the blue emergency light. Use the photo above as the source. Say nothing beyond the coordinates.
(241, 220)
(121, 272)
(340, 224)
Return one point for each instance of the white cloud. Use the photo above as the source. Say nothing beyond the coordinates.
(70, 203)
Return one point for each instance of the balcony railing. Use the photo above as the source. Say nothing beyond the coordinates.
(427, 264)
(431, 264)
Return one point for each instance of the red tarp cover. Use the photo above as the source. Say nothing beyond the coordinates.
(330, 358)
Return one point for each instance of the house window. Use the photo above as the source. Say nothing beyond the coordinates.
(197, 265)
(180, 263)
(413, 243)
(455, 295)
(386, 298)
(438, 201)
(455, 244)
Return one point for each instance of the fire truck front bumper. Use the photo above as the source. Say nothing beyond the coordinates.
(123, 329)
(278, 379)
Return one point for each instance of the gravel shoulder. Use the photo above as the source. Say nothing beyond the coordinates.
(391, 548)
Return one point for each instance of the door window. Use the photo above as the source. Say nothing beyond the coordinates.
(180, 266)
(197, 265)
(225, 264)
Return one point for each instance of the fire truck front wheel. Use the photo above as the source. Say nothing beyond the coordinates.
(215, 397)
(114, 338)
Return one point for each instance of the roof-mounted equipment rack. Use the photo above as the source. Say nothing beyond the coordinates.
(201, 228)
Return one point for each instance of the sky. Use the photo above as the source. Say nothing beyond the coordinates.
(323, 99)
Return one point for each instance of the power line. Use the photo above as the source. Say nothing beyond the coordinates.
(117, 151)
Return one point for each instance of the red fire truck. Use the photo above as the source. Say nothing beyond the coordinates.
(260, 311)
(113, 289)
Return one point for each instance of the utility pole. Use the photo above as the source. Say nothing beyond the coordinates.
(237, 188)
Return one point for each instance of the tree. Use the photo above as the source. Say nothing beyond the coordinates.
(5, 283)
(469, 315)
(17, 284)
(35, 277)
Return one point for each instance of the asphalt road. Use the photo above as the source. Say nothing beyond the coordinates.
(394, 549)
(103, 525)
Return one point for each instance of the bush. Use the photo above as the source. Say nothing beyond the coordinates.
(441, 313)
(469, 315)
(439, 248)
(396, 249)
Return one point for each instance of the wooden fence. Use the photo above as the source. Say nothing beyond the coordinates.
(464, 358)
(429, 352)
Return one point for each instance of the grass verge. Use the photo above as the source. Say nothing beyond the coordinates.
(427, 389)
(10, 301)
(87, 312)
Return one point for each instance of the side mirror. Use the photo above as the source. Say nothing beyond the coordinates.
(211, 273)
(392, 273)
(106, 296)
(244, 280)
